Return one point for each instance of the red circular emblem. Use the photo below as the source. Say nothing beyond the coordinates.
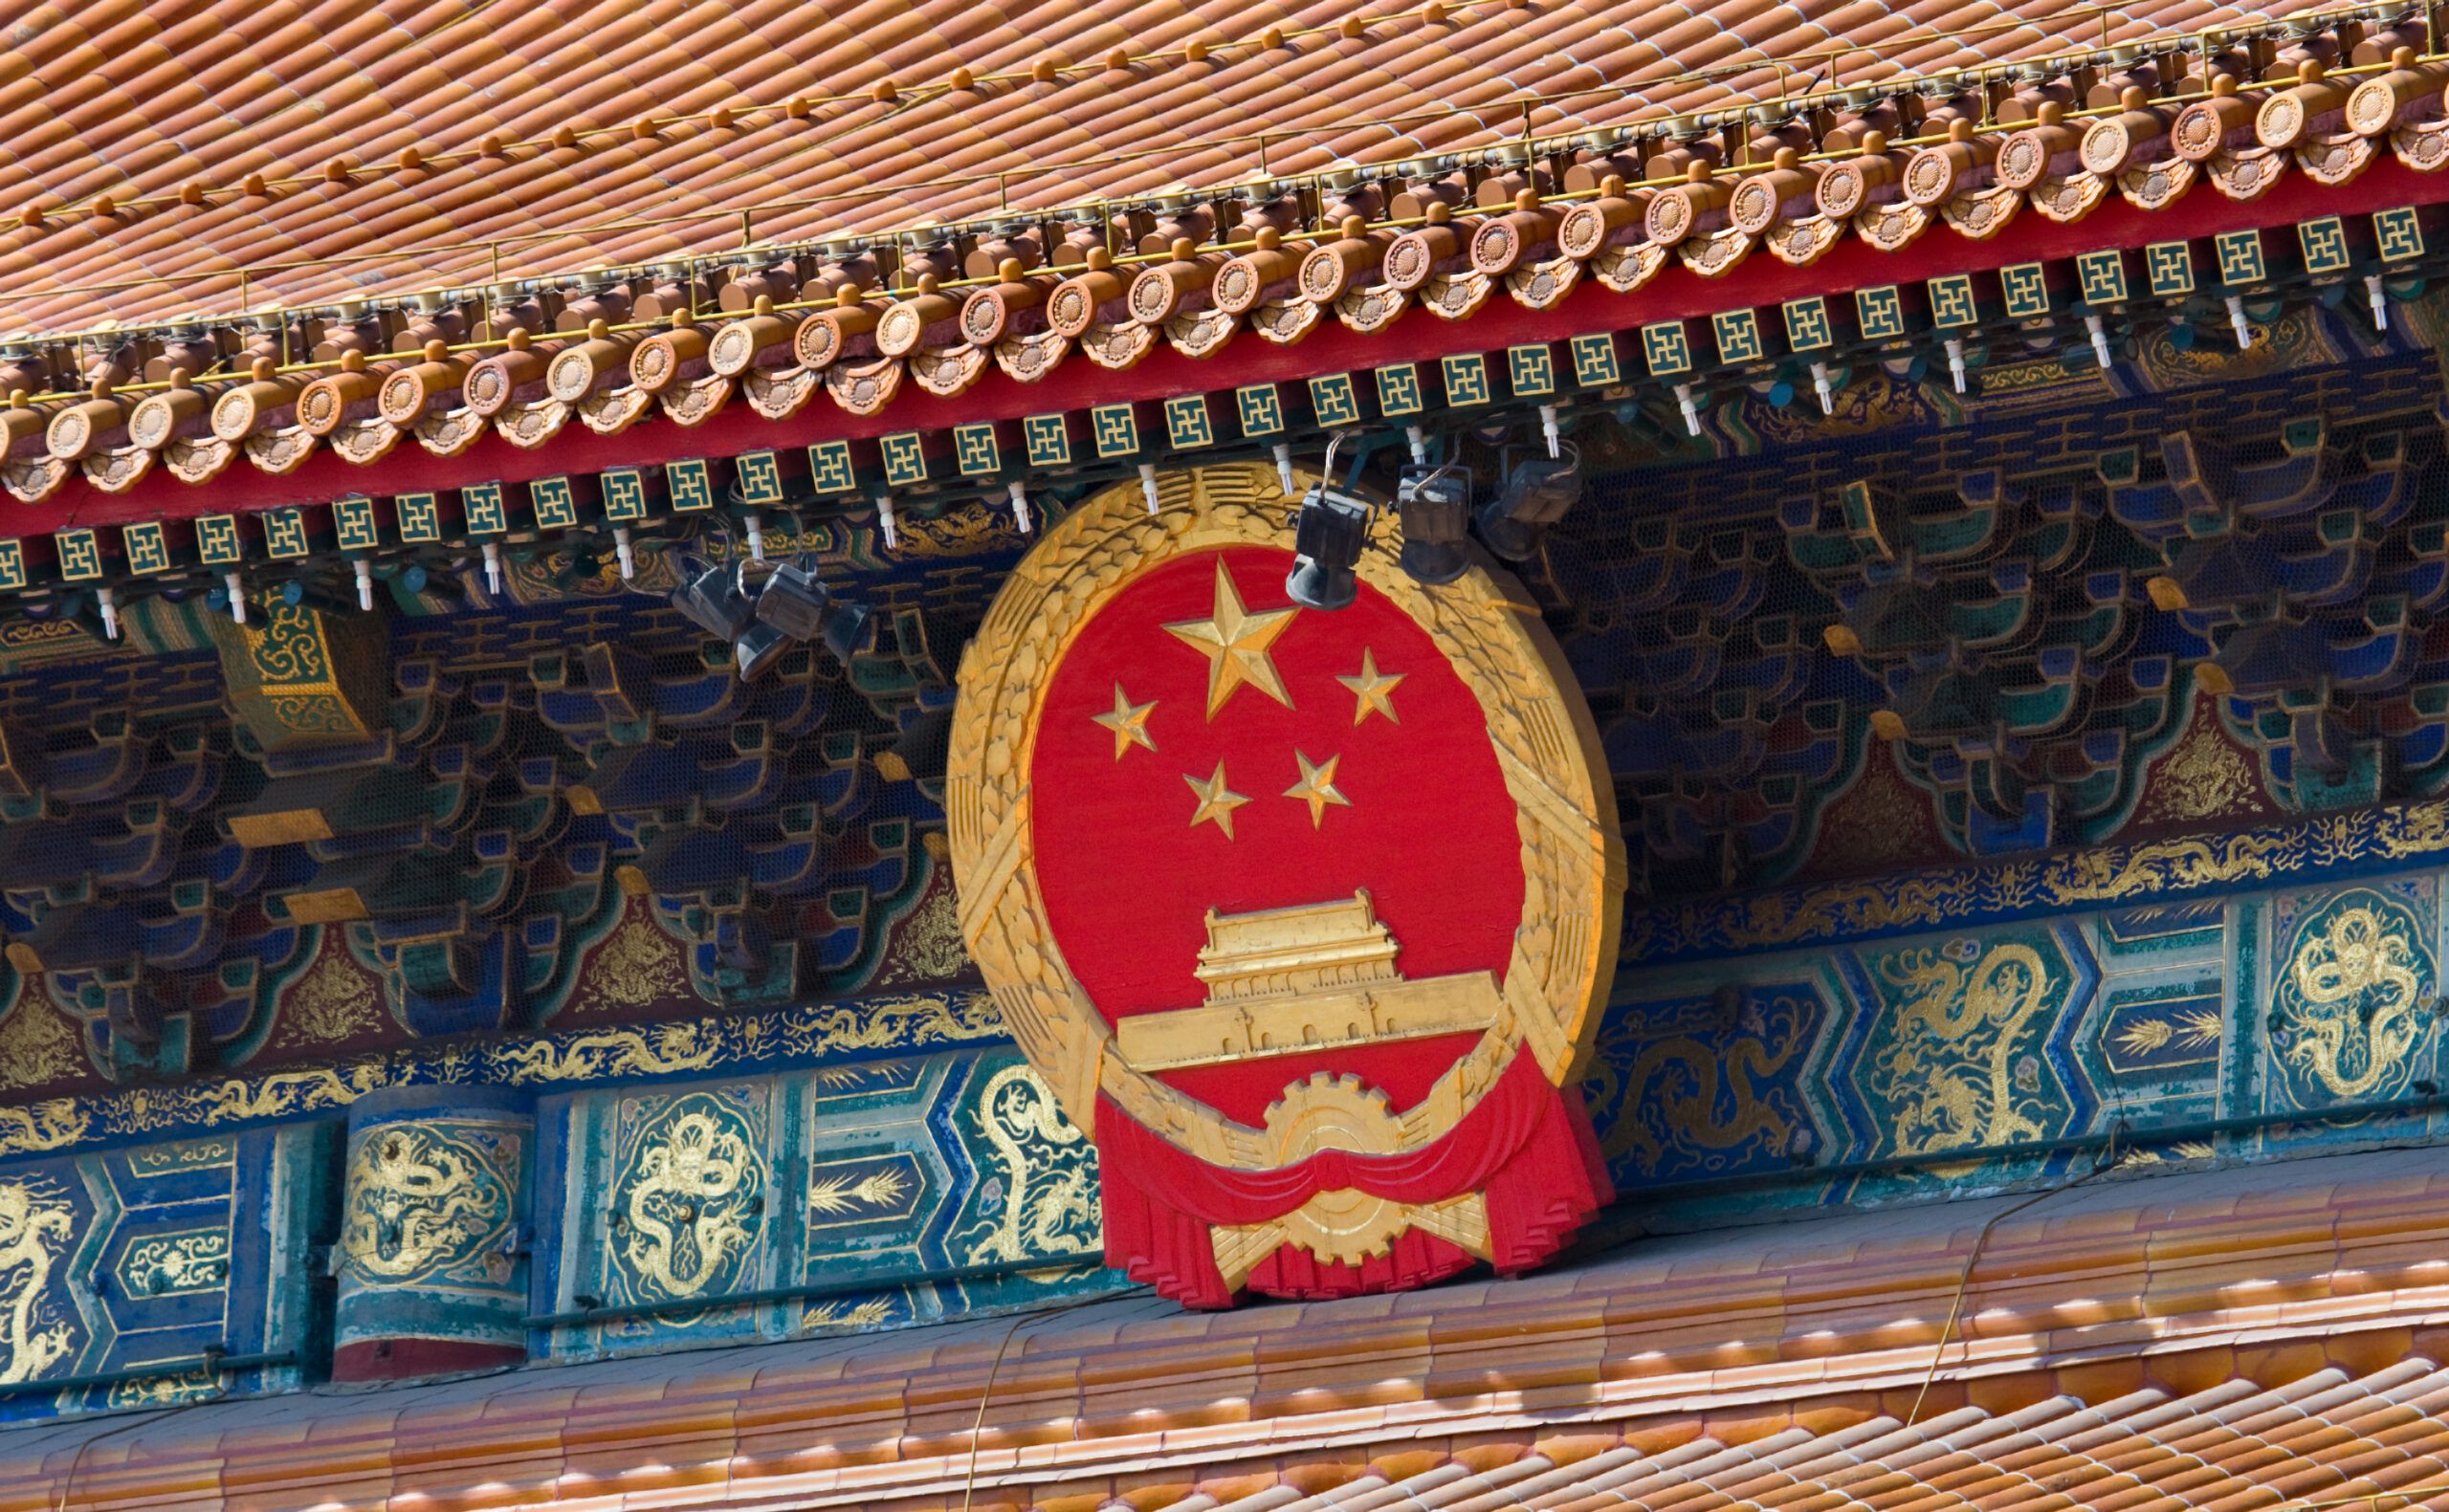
(1206, 745)
(1304, 915)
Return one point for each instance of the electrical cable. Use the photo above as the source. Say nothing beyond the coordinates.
(986, 1392)
(76, 1462)
(2110, 1159)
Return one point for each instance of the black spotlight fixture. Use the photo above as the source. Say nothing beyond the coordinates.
(1328, 533)
(795, 602)
(1537, 492)
(715, 603)
(1436, 505)
(791, 607)
(789, 610)
(759, 646)
(1332, 528)
(845, 629)
(1327, 537)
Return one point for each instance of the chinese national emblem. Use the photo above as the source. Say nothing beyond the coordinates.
(1304, 915)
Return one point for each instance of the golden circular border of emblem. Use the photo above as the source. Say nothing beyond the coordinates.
(1546, 748)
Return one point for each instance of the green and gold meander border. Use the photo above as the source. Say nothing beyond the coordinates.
(2368, 842)
(1530, 357)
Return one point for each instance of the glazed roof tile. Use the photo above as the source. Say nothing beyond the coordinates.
(2216, 1402)
(138, 101)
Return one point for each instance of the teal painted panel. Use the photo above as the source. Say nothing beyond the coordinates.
(431, 1262)
(2354, 972)
(855, 1195)
(1714, 1085)
(117, 1260)
(1958, 1044)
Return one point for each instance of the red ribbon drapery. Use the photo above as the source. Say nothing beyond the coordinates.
(1527, 1146)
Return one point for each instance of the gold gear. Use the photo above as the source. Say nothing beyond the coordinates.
(1343, 1225)
(1337, 1112)
(1329, 1111)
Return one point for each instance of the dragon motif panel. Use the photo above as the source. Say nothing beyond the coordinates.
(689, 1195)
(1689, 1088)
(39, 1325)
(1037, 1189)
(1964, 1047)
(116, 1260)
(429, 1201)
(2353, 996)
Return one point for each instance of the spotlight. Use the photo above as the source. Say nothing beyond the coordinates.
(1436, 504)
(1328, 537)
(845, 629)
(759, 646)
(1537, 492)
(714, 603)
(793, 601)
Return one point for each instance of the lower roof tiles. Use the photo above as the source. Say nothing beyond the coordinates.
(1656, 1380)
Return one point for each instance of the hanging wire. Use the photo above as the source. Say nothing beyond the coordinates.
(986, 1392)
(2110, 1159)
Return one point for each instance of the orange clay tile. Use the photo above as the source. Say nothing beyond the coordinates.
(158, 145)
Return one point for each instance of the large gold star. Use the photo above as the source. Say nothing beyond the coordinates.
(1374, 691)
(1216, 800)
(1235, 642)
(1317, 787)
(1128, 723)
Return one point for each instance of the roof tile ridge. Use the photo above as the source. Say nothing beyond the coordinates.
(2416, 1372)
(1705, 1471)
(1525, 1477)
(2188, 1439)
(1670, 1467)
(1989, 1431)
(2063, 1439)
(856, 94)
(2109, 1433)
(2306, 1396)
(1904, 1444)
(2427, 1389)
(1504, 1496)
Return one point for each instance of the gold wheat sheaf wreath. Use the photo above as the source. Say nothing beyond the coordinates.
(1564, 950)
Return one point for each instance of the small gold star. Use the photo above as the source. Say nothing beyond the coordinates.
(1317, 787)
(1128, 723)
(1216, 800)
(1235, 642)
(1374, 692)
